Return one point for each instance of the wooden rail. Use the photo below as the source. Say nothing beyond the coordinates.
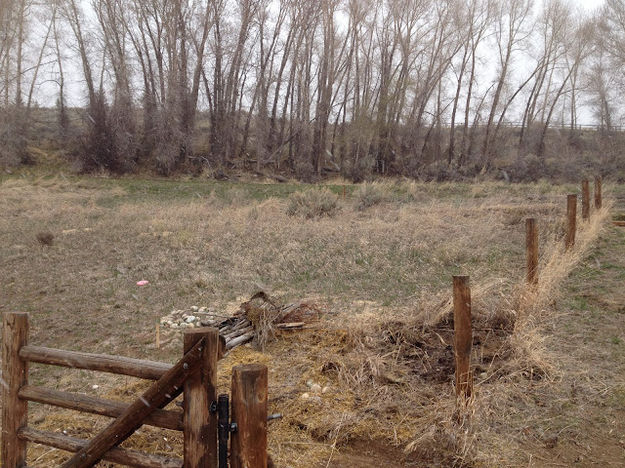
(194, 376)
(88, 404)
(97, 362)
(115, 455)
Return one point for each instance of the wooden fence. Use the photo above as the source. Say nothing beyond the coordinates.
(463, 328)
(203, 420)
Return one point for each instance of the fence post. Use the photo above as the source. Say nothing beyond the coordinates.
(463, 336)
(14, 376)
(585, 200)
(598, 201)
(248, 446)
(200, 426)
(571, 216)
(531, 247)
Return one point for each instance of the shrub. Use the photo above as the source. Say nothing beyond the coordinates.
(13, 148)
(313, 204)
(172, 144)
(97, 149)
(368, 195)
(236, 196)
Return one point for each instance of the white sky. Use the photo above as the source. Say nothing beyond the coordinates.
(588, 4)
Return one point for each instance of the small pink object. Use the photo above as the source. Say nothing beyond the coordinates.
(142, 283)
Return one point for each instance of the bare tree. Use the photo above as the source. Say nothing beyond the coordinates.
(510, 32)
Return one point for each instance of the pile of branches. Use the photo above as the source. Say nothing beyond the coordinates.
(259, 318)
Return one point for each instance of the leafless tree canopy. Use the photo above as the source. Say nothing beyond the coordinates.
(357, 86)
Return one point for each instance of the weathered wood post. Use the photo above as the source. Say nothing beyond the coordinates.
(248, 446)
(200, 426)
(598, 201)
(14, 376)
(571, 216)
(585, 200)
(531, 247)
(463, 336)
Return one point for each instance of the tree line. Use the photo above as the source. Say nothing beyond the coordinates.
(303, 86)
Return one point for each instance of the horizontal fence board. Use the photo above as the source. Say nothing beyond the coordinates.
(115, 455)
(88, 404)
(160, 393)
(97, 362)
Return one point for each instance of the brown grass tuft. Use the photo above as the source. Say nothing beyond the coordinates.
(45, 238)
(314, 203)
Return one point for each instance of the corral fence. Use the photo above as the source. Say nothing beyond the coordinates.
(206, 420)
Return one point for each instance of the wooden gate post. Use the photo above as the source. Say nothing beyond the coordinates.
(531, 247)
(463, 336)
(14, 376)
(248, 447)
(598, 201)
(585, 200)
(571, 216)
(200, 425)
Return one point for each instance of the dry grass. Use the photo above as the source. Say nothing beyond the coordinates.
(383, 349)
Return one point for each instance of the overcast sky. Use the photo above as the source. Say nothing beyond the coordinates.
(588, 4)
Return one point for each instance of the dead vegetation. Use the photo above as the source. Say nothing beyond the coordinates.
(313, 203)
(45, 238)
(378, 366)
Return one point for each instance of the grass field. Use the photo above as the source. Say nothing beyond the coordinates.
(380, 268)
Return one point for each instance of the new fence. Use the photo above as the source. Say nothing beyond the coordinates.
(463, 328)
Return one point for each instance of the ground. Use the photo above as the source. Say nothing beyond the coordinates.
(550, 365)
(582, 417)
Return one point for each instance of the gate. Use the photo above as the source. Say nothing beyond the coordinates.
(203, 420)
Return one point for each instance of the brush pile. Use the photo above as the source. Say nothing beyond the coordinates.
(258, 318)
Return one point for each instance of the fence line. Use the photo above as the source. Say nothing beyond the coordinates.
(462, 294)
